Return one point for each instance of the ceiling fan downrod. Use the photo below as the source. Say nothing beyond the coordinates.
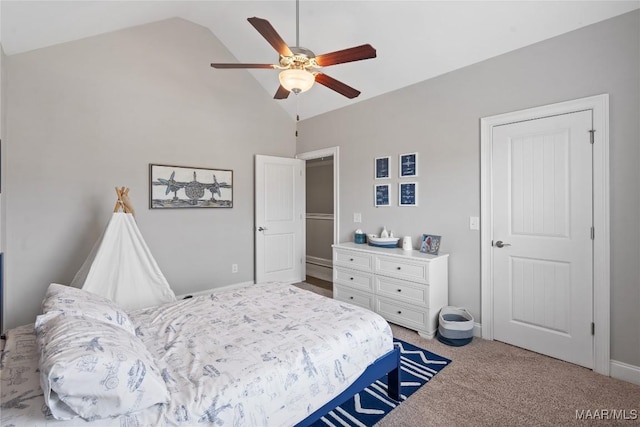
(298, 23)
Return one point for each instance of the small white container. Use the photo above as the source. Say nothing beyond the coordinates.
(407, 245)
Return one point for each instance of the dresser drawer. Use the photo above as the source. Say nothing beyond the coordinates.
(401, 314)
(353, 278)
(402, 268)
(402, 291)
(346, 294)
(352, 259)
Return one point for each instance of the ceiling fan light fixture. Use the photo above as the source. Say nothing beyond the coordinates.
(296, 80)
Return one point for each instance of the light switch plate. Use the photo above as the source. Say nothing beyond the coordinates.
(474, 223)
(357, 217)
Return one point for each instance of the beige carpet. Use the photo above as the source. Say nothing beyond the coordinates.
(490, 383)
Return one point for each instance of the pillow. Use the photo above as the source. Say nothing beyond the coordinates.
(94, 369)
(74, 301)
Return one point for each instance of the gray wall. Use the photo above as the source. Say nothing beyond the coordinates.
(319, 238)
(319, 182)
(2, 155)
(86, 116)
(439, 118)
(320, 186)
(2, 181)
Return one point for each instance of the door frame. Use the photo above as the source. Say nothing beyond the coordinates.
(317, 154)
(599, 105)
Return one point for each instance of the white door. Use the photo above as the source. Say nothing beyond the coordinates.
(542, 236)
(279, 222)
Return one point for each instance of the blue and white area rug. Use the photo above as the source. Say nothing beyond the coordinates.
(372, 404)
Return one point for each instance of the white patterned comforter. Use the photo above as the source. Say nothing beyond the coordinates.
(265, 355)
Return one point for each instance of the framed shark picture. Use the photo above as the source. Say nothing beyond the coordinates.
(189, 187)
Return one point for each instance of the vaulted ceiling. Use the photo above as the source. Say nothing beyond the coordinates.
(415, 40)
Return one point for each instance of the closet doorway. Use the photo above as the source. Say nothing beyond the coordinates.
(321, 222)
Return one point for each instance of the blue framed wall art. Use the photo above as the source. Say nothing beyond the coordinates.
(408, 165)
(383, 167)
(408, 194)
(381, 195)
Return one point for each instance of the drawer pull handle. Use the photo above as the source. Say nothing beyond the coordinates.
(399, 268)
(399, 290)
(399, 312)
(350, 259)
(350, 278)
(350, 297)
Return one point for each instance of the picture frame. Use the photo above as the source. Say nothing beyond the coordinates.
(408, 165)
(382, 167)
(430, 244)
(382, 195)
(408, 194)
(186, 187)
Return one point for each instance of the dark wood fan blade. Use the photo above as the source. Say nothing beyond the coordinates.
(358, 53)
(242, 65)
(271, 35)
(281, 93)
(337, 85)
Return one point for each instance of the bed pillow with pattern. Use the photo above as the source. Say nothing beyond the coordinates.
(94, 369)
(75, 301)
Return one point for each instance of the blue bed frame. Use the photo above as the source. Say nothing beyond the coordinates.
(389, 363)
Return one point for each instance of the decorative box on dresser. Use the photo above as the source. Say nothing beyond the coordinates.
(405, 287)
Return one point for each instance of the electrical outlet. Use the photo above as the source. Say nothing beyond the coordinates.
(234, 268)
(357, 217)
(474, 223)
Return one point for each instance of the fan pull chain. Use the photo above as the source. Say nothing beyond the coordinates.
(297, 120)
(297, 114)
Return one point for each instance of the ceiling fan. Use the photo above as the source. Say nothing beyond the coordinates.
(299, 64)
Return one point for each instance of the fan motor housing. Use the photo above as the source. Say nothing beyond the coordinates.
(302, 58)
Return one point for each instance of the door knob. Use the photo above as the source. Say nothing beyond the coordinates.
(501, 244)
(262, 228)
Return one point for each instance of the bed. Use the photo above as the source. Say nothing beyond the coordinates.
(269, 354)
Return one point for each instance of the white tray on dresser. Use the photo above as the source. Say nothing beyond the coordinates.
(405, 287)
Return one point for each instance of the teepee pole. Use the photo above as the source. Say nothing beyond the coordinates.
(123, 201)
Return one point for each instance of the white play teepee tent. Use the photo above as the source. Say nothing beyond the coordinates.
(120, 266)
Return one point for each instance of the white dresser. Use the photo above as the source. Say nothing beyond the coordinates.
(405, 287)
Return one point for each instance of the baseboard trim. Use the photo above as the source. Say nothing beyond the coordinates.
(320, 272)
(625, 372)
(320, 268)
(477, 330)
(323, 262)
(221, 288)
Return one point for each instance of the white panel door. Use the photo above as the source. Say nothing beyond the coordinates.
(279, 222)
(542, 245)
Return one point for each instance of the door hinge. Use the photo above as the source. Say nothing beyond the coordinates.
(593, 328)
(591, 136)
(593, 233)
